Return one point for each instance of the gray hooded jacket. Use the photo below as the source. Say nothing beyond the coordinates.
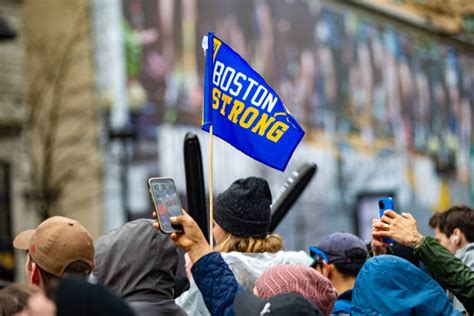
(466, 254)
(139, 263)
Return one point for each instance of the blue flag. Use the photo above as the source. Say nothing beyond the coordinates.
(244, 110)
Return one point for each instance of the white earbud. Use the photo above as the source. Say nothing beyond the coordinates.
(454, 240)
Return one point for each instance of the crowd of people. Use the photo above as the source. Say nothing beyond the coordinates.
(133, 270)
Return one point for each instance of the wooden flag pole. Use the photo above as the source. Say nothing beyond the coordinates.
(211, 196)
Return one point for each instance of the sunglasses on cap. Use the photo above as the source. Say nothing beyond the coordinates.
(318, 255)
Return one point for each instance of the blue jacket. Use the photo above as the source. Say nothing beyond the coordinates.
(390, 285)
(217, 283)
(343, 304)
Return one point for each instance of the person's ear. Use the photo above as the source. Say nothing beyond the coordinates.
(327, 269)
(456, 237)
(35, 277)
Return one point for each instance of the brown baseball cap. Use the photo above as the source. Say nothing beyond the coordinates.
(56, 243)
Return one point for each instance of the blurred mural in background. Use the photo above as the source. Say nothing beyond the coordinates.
(384, 110)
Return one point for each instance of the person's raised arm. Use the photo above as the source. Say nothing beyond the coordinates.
(451, 272)
(212, 275)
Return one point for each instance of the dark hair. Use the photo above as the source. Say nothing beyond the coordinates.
(8, 304)
(21, 292)
(357, 257)
(435, 220)
(77, 268)
(458, 216)
(14, 298)
(349, 269)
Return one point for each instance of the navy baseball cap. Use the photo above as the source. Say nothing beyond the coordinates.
(247, 304)
(342, 248)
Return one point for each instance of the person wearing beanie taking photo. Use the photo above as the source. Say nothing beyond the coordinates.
(339, 257)
(59, 246)
(242, 217)
(304, 294)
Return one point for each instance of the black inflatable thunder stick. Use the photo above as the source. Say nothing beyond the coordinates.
(195, 190)
(290, 192)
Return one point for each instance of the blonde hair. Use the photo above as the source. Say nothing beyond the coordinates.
(271, 243)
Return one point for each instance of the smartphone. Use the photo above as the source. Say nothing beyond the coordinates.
(386, 204)
(166, 200)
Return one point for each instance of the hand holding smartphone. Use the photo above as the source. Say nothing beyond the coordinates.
(386, 204)
(167, 204)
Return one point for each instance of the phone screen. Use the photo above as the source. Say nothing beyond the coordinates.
(166, 201)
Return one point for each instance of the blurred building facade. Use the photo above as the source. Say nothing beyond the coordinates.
(63, 113)
(48, 117)
(14, 164)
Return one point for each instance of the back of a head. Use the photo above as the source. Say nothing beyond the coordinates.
(79, 269)
(246, 304)
(458, 216)
(14, 298)
(21, 292)
(243, 211)
(272, 243)
(59, 246)
(78, 297)
(346, 251)
(137, 262)
(298, 279)
(9, 305)
(389, 285)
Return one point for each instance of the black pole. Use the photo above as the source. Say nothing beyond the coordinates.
(195, 191)
(123, 136)
(290, 192)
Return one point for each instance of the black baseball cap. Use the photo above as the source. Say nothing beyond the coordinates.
(247, 304)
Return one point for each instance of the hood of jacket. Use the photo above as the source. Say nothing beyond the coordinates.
(247, 267)
(466, 254)
(390, 285)
(137, 262)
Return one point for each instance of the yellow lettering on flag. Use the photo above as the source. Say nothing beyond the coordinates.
(217, 45)
(248, 117)
(277, 131)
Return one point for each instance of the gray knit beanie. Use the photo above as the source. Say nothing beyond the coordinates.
(244, 208)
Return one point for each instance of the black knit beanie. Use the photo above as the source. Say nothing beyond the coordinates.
(244, 208)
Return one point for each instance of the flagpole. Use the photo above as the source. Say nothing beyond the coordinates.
(211, 196)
